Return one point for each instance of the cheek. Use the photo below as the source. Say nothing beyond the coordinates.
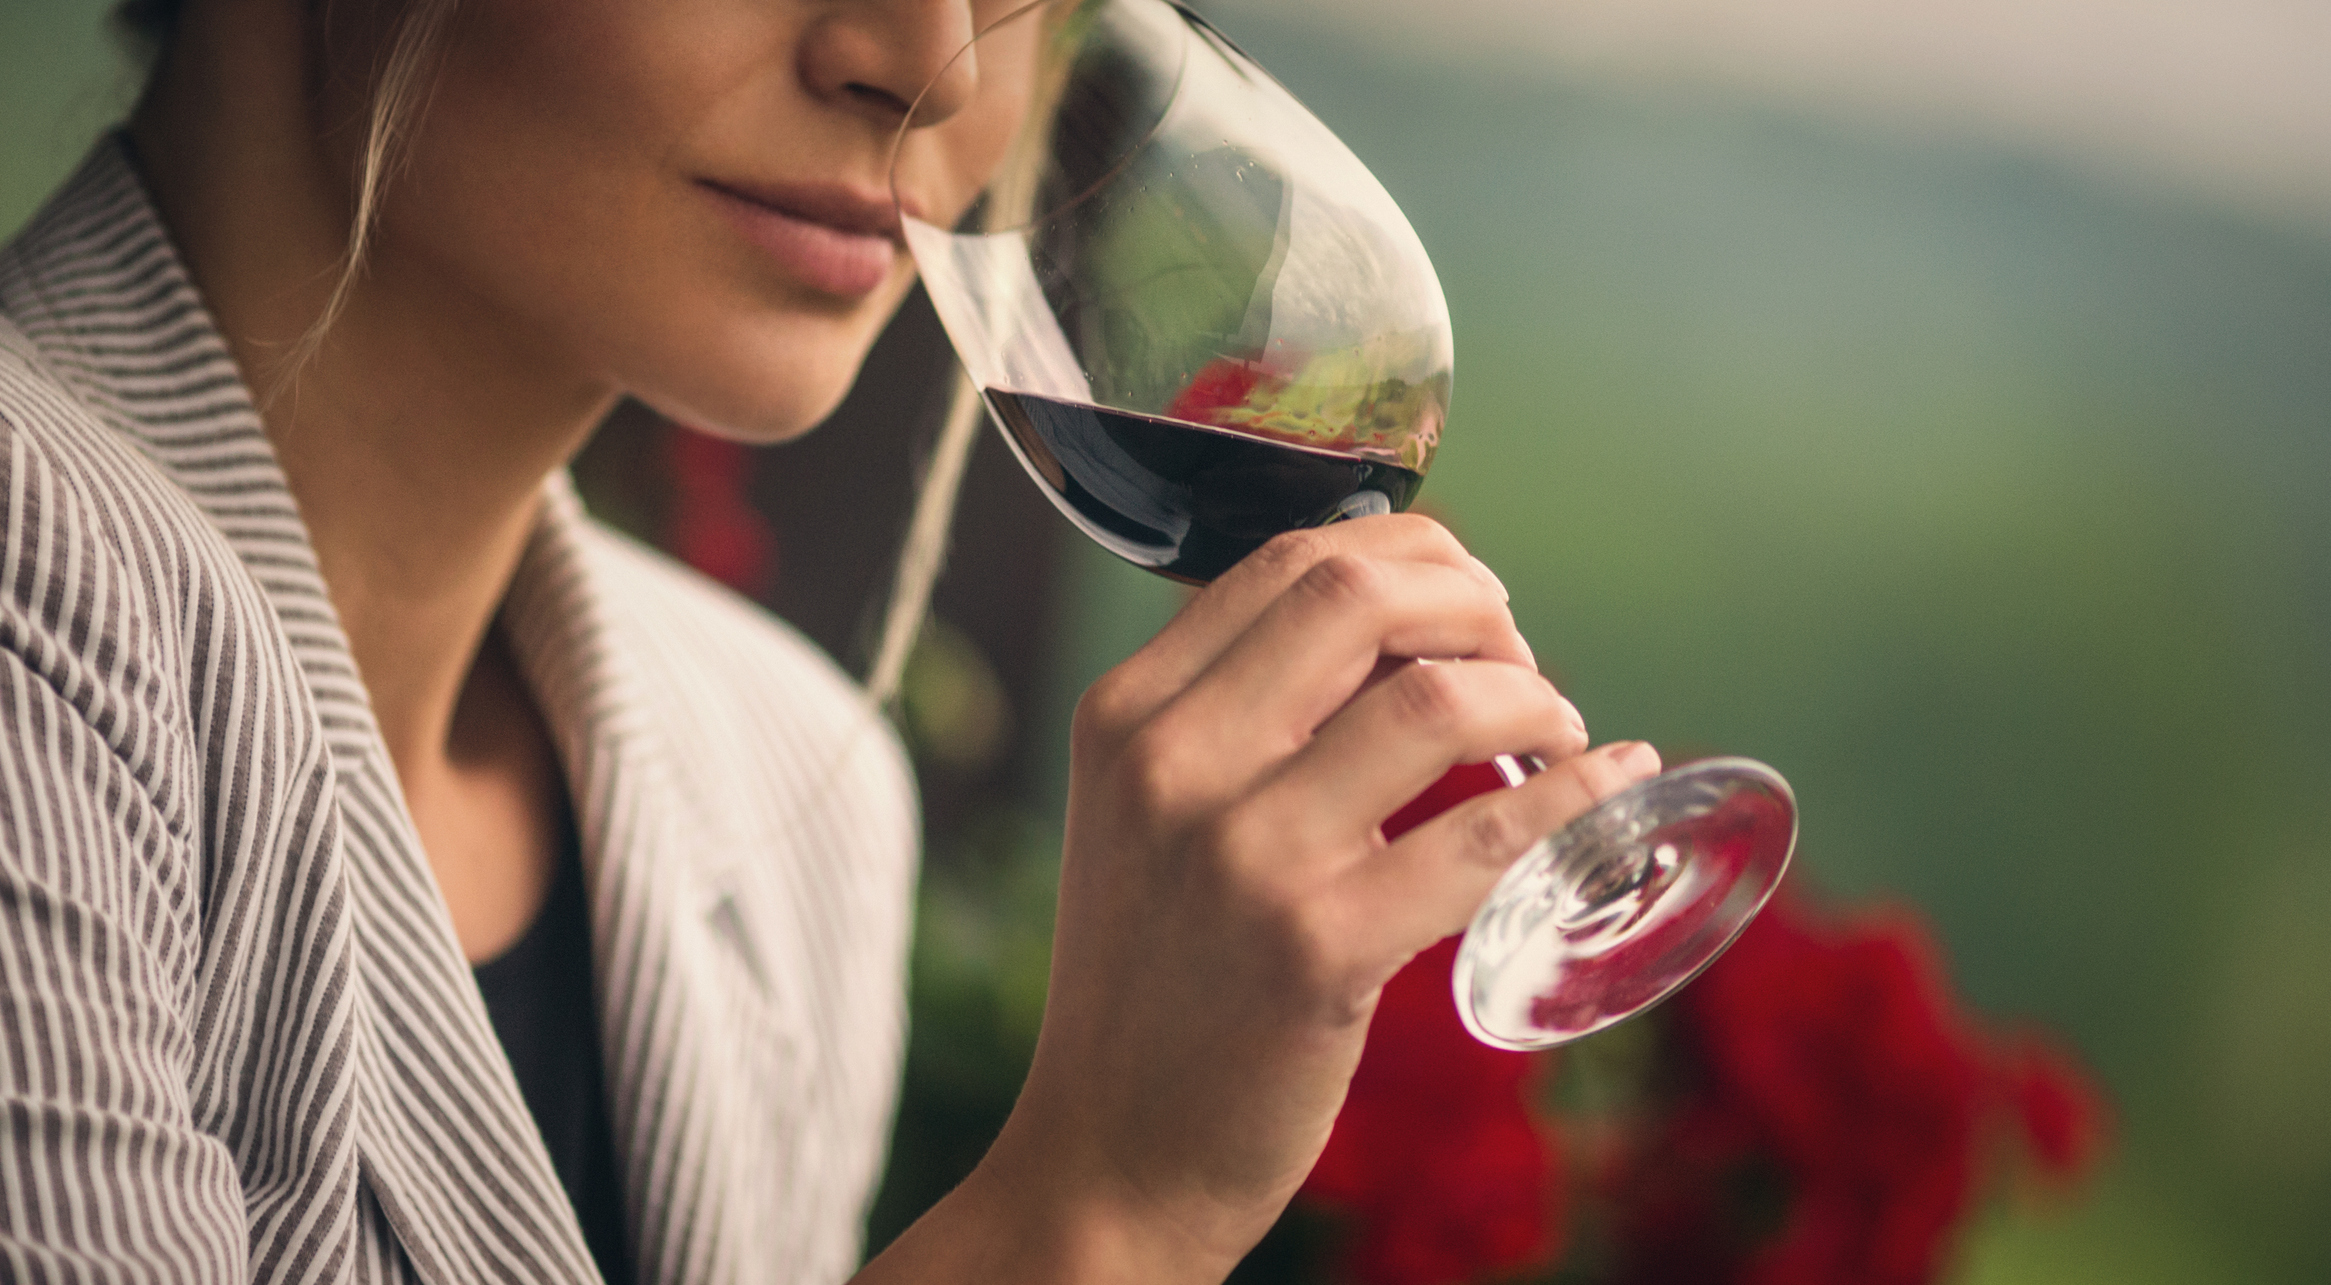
(552, 196)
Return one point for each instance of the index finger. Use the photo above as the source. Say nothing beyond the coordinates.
(1221, 612)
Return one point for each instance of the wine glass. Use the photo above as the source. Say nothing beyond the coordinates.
(1199, 322)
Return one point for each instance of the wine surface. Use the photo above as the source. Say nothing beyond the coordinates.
(1181, 499)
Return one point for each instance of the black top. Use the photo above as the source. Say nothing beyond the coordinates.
(539, 994)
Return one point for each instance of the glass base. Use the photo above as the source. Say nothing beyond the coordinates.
(1625, 905)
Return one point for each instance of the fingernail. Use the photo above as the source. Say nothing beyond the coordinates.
(1636, 757)
(1489, 577)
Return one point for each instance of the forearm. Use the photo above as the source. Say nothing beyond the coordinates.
(1035, 1215)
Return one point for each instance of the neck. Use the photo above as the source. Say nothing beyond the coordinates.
(417, 436)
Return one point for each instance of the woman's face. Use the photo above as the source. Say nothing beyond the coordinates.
(691, 199)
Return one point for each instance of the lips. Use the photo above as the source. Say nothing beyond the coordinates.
(833, 240)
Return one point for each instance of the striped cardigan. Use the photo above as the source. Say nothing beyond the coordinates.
(238, 1039)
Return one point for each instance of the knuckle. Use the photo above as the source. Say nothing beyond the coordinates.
(1307, 943)
(1430, 697)
(1243, 845)
(1290, 553)
(1153, 774)
(1342, 578)
(1259, 861)
(1494, 834)
(1105, 711)
(1433, 536)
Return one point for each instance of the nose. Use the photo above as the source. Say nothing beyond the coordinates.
(882, 58)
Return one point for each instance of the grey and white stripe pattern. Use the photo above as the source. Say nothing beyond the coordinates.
(238, 1040)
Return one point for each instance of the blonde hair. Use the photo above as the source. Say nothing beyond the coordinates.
(398, 95)
(924, 553)
(401, 86)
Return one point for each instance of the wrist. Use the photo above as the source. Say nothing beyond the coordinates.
(1035, 1212)
(1065, 1213)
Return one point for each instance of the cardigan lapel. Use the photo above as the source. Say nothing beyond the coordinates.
(697, 1030)
(447, 1145)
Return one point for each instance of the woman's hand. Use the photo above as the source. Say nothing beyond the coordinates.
(1229, 910)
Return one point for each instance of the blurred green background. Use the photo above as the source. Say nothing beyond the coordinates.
(1981, 490)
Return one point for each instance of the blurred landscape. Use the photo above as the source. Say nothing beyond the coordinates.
(1984, 490)
(1975, 474)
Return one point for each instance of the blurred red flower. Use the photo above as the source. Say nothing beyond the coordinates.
(1842, 1113)
(1437, 1159)
(2063, 1118)
(713, 526)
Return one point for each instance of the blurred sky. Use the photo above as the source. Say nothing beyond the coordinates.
(2227, 97)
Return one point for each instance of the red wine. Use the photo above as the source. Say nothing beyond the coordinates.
(1182, 499)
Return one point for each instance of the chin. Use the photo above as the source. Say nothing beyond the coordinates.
(755, 422)
(764, 394)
